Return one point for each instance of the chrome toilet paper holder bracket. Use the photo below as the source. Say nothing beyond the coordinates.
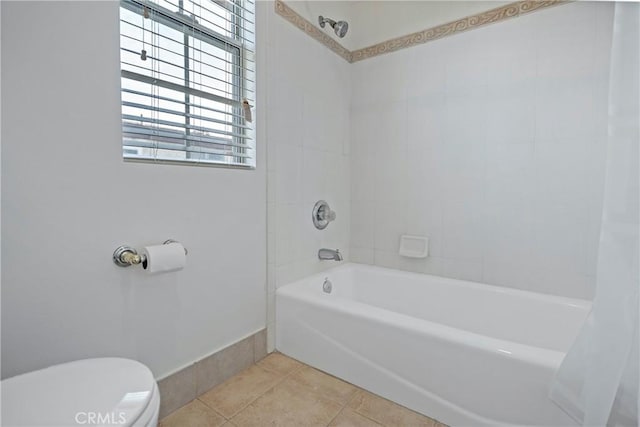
(125, 256)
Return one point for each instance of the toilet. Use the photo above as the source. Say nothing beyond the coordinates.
(90, 392)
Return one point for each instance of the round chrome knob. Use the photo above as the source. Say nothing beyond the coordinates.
(322, 215)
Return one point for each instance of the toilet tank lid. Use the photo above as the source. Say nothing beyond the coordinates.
(104, 391)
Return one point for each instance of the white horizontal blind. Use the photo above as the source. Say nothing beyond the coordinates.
(187, 66)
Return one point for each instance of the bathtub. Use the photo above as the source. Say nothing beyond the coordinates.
(465, 353)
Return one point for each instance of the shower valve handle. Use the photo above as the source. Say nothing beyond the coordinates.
(322, 215)
(326, 214)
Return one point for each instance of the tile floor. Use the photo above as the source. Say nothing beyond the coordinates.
(280, 391)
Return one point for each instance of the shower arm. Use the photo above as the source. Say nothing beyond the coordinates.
(323, 21)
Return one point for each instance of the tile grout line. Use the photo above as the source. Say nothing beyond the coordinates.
(282, 377)
(434, 421)
(335, 416)
(358, 412)
(310, 389)
(357, 389)
(277, 383)
(209, 406)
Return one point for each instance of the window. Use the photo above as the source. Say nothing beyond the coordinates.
(187, 71)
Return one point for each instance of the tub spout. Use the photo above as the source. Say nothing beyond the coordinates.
(330, 254)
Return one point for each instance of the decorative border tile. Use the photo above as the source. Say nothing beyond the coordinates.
(290, 15)
(511, 10)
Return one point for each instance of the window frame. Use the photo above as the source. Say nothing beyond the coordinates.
(181, 21)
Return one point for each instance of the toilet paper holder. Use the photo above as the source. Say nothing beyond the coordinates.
(124, 255)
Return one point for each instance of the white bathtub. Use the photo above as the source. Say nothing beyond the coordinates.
(465, 353)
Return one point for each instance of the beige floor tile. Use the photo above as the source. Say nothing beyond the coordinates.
(279, 363)
(386, 412)
(237, 392)
(324, 384)
(349, 418)
(288, 405)
(194, 414)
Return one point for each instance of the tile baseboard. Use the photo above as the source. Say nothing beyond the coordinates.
(183, 386)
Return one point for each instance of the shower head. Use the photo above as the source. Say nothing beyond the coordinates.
(340, 27)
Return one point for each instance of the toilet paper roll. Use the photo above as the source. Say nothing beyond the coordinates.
(164, 258)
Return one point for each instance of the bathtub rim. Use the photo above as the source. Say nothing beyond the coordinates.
(539, 296)
(538, 356)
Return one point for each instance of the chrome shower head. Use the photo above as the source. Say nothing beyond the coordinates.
(340, 27)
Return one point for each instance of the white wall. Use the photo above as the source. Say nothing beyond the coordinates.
(308, 95)
(492, 144)
(69, 200)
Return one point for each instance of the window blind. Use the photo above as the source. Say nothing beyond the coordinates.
(187, 76)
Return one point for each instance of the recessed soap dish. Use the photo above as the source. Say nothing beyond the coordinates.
(414, 246)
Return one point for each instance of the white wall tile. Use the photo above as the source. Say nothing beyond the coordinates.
(314, 169)
(426, 172)
(562, 170)
(309, 142)
(287, 273)
(271, 246)
(504, 161)
(386, 259)
(510, 113)
(466, 118)
(466, 64)
(430, 265)
(463, 168)
(287, 234)
(288, 177)
(271, 277)
(390, 180)
(508, 260)
(362, 224)
(491, 153)
(425, 77)
(379, 79)
(510, 175)
(389, 225)
(464, 269)
(560, 235)
(363, 175)
(284, 127)
(565, 108)
(463, 231)
(424, 218)
(337, 174)
(362, 255)
(271, 314)
(426, 124)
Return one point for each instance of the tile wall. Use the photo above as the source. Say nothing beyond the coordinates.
(308, 107)
(492, 144)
